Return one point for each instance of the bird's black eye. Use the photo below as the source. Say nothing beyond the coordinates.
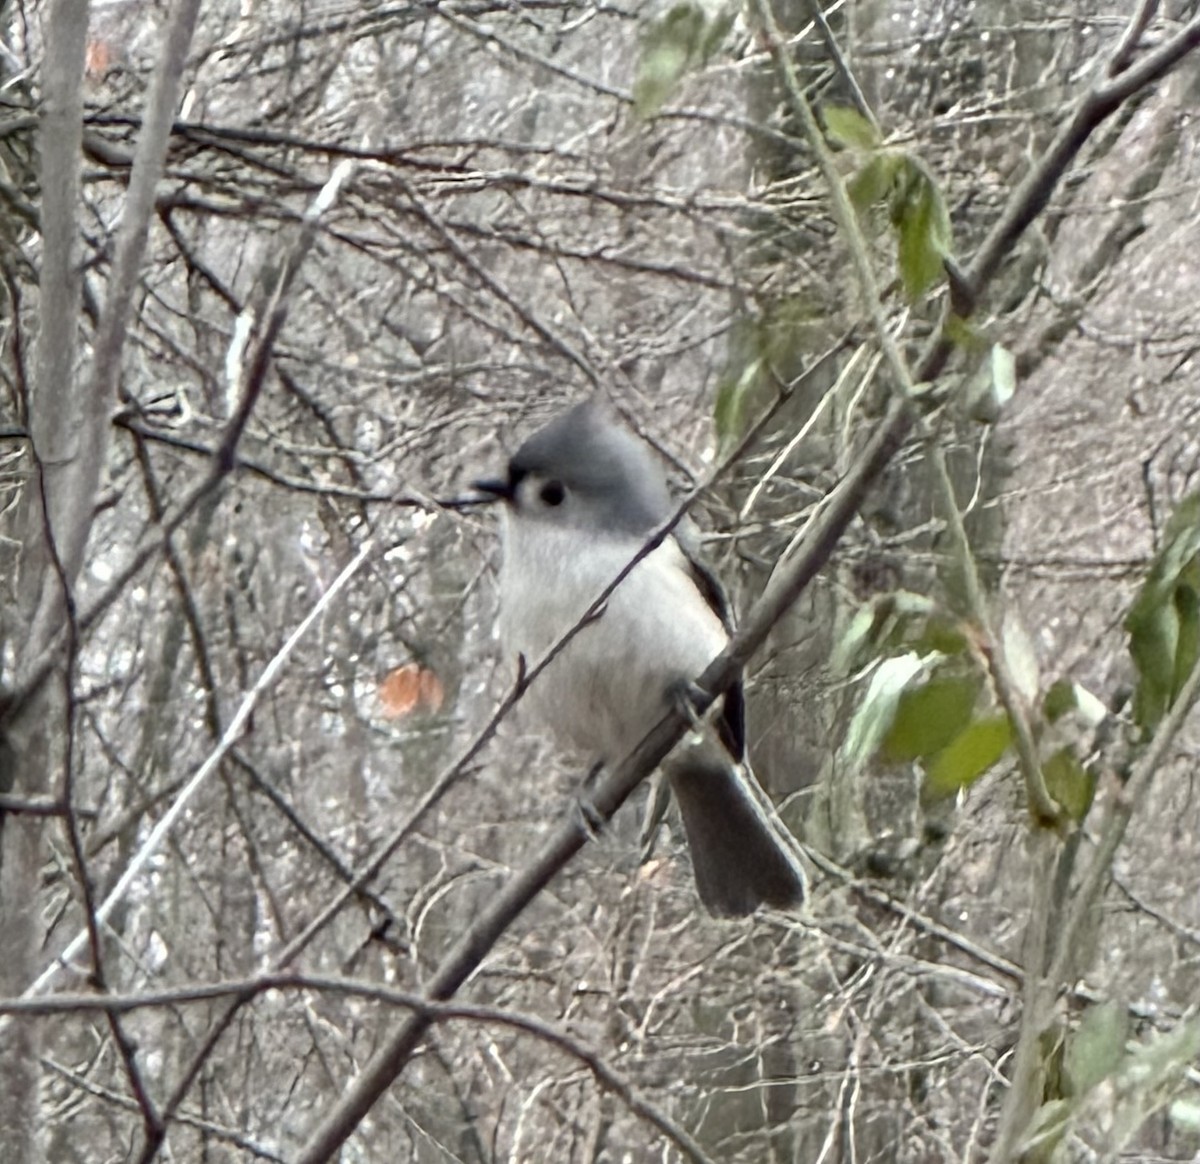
(553, 493)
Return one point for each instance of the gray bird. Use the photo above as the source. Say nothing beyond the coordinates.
(580, 498)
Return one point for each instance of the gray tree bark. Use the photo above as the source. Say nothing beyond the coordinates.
(55, 517)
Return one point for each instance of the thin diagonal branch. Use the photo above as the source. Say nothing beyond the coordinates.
(224, 458)
(233, 732)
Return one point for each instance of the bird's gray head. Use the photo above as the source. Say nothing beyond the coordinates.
(584, 469)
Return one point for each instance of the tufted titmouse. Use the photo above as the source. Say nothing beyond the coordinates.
(580, 498)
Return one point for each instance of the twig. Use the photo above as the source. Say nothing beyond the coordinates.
(151, 1122)
(1119, 810)
(461, 765)
(1127, 46)
(455, 772)
(224, 458)
(818, 17)
(824, 530)
(247, 988)
(296, 484)
(232, 734)
(1041, 803)
(37, 806)
(1096, 105)
(207, 1127)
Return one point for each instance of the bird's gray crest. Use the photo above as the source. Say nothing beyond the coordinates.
(596, 457)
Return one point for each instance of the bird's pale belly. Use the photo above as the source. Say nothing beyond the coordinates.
(612, 682)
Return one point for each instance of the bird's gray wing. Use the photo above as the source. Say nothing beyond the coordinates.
(731, 722)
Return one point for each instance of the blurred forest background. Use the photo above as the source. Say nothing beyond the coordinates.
(281, 279)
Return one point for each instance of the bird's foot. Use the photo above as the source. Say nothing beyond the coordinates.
(593, 822)
(689, 698)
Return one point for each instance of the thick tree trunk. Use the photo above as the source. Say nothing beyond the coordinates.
(55, 519)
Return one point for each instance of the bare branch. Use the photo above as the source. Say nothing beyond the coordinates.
(1096, 106)
(245, 989)
(233, 733)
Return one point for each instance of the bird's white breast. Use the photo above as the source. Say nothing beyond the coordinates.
(610, 685)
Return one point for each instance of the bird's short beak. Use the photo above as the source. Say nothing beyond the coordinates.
(495, 489)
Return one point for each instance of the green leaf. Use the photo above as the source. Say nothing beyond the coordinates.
(874, 715)
(669, 47)
(1059, 700)
(848, 128)
(909, 604)
(658, 73)
(894, 622)
(1164, 621)
(897, 622)
(930, 716)
(1144, 1080)
(873, 181)
(1069, 782)
(857, 636)
(1050, 1123)
(1153, 643)
(779, 337)
(1095, 1051)
(962, 333)
(922, 223)
(967, 757)
(788, 329)
(992, 385)
(1150, 1076)
(1066, 696)
(1090, 707)
(1187, 608)
(1181, 542)
(730, 406)
(944, 635)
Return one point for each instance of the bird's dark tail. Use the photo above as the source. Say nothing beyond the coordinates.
(739, 859)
